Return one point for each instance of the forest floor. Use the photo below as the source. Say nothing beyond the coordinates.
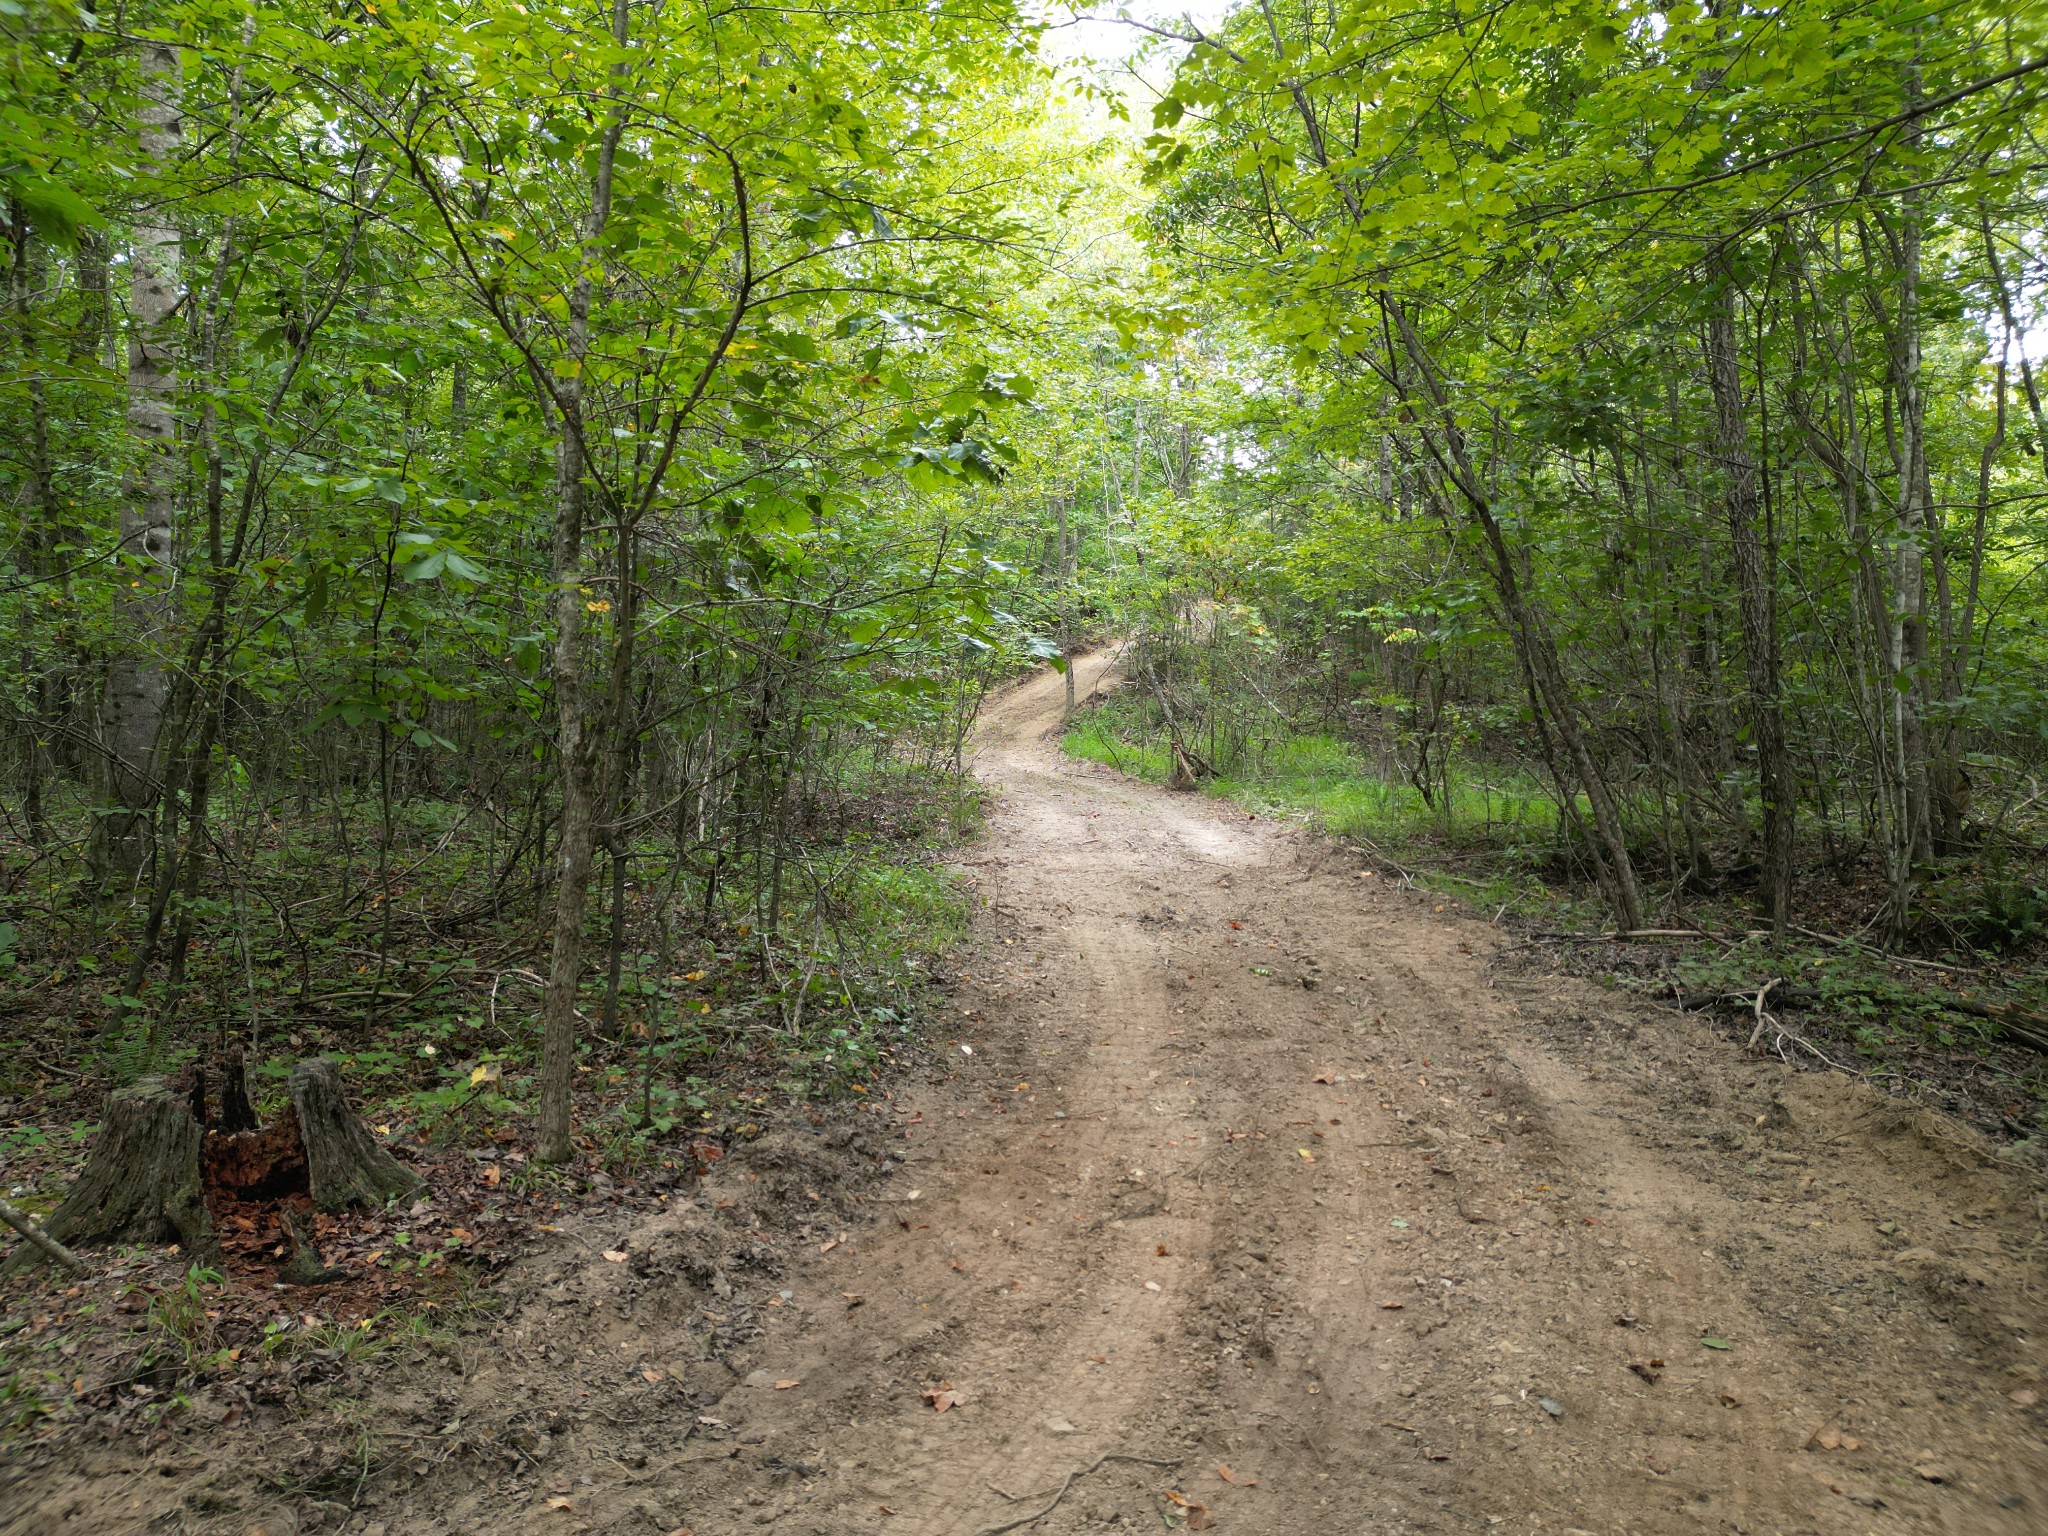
(1275, 1182)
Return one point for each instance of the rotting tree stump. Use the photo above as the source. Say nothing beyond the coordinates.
(344, 1164)
(141, 1184)
(158, 1168)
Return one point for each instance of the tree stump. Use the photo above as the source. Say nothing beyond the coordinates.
(141, 1184)
(158, 1169)
(344, 1164)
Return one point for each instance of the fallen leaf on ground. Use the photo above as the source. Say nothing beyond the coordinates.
(784, 1386)
(941, 1397)
(1198, 1518)
(651, 1375)
(614, 1256)
(1304, 1154)
(1326, 1077)
(1647, 1369)
(1392, 1306)
(558, 1502)
(1713, 1343)
(1236, 1480)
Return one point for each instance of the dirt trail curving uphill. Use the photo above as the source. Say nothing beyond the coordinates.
(1394, 1297)
(1259, 1164)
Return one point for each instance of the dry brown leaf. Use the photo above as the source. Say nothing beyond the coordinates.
(1235, 1480)
(1198, 1517)
(784, 1386)
(651, 1375)
(1392, 1306)
(556, 1501)
(613, 1256)
(1159, 1251)
(941, 1397)
(1326, 1077)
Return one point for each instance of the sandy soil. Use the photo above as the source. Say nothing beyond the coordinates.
(1245, 1160)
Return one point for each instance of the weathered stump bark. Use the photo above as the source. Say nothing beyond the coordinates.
(159, 1168)
(344, 1164)
(141, 1184)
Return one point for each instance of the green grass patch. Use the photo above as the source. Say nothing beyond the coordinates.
(1508, 818)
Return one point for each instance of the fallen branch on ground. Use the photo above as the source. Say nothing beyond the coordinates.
(2019, 1025)
(1071, 1478)
(25, 1224)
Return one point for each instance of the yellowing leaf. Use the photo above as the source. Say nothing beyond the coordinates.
(486, 1072)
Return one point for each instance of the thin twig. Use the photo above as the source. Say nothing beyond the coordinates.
(1071, 1478)
(1762, 992)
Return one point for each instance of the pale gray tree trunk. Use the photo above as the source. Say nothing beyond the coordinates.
(138, 684)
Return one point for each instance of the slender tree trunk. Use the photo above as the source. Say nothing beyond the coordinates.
(578, 733)
(1908, 640)
(1550, 688)
(138, 684)
(1066, 580)
(1755, 597)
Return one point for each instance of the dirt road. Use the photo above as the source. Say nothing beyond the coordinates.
(1252, 1162)
(1259, 1164)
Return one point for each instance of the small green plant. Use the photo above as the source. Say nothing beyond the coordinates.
(181, 1324)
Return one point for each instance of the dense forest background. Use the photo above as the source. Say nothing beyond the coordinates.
(510, 510)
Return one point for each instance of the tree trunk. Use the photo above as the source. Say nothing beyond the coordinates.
(1550, 688)
(137, 683)
(1066, 618)
(1755, 596)
(576, 744)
